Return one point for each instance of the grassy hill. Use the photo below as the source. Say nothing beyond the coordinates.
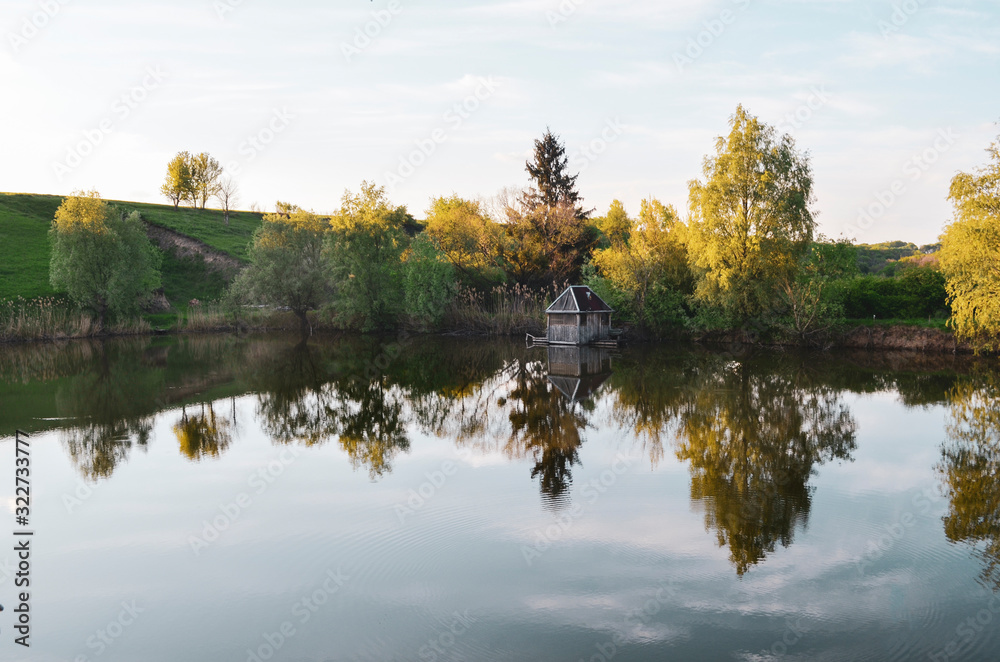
(24, 245)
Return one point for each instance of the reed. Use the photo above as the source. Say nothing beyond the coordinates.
(215, 317)
(503, 310)
(52, 318)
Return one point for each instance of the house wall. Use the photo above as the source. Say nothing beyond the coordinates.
(563, 333)
(578, 328)
(594, 327)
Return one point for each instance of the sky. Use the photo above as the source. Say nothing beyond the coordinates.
(302, 101)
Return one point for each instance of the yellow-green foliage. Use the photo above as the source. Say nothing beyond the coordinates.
(472, 242)
(101, 257)
(970, 254)
(286, 264)
(647, 256)
(84, 210)
(750, 218)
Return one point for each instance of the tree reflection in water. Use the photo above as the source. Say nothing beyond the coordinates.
(753, 438)
(203, 434)
(311, 395)
(753, 433)
(111, 398)
(546, 426)
(970, 467)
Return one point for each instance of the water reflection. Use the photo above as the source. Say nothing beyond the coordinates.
(547, 427)
(108, 403)
(969, 467)
(750, 432)
(753, 438)
(203, 434)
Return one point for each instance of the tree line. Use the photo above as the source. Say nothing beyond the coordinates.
(744, 257)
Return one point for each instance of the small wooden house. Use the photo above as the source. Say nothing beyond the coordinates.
(578, 317)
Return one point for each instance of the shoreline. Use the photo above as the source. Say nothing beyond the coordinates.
(893, 337)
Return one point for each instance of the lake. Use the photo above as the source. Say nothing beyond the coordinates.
(256, 498)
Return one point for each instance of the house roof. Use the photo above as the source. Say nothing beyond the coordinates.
(579, 299)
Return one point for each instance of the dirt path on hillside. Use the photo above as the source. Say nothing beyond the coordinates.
(184, 246)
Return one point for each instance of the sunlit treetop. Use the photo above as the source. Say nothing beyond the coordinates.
(369, 209)
(82, 210)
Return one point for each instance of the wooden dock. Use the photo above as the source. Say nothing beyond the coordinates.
(533, 341)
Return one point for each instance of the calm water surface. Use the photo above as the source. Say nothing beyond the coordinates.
(241, 499)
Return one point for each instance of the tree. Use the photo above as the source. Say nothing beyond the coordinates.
(178, 185)
(363, 253)
(227, 193)
(547, 224)
(616, 225)
(809, 308)
(205, 174)
(428, 281)
(970, 253)
(646, 263)
(102, 257)
(471, 241)
(286, 265)
(285, 208)
(750, 218)
(553, 184)
(548, 244)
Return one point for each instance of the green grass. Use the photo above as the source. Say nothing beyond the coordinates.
(206, 225)
(24, 248)
(24, 244)
(186, 279)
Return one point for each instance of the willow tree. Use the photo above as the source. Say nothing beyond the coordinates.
(286, 265)
(364, 254)
(750, 219)
(101, 257)
(970, 253)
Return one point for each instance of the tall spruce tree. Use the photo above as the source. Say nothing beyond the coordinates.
(553, 185)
